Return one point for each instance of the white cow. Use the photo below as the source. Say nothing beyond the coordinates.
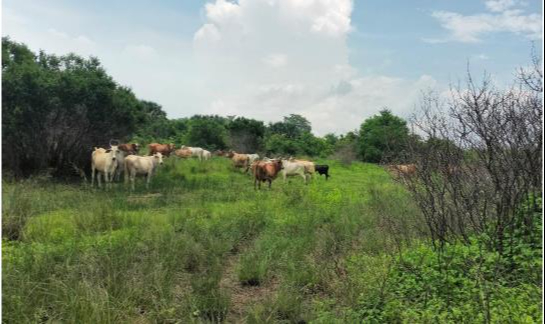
(253, 157)
(206, 155)
(291, 168)
(195, 151)
(105, 163)
(141, 165)
(120, 165)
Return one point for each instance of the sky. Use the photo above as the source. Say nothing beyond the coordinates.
(336, 62)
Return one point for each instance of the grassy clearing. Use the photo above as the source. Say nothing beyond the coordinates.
(202, 246)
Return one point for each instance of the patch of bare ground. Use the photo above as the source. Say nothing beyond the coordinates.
(243, 296)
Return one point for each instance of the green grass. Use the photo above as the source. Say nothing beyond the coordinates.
(84, 255)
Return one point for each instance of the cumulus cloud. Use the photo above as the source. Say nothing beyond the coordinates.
(269, 58)
(503, 16)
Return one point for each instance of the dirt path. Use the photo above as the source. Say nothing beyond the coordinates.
(242, 297)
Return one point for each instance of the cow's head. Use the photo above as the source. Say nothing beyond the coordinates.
(158, 157)
(171, 146)
(136, 147)
(116, 153)
(278, 164)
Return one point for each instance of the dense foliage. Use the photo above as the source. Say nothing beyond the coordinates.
(56, 109)
(382, 137)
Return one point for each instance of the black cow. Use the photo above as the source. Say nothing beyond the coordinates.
(322, 169)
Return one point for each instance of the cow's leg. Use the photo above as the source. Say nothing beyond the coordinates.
(304, 177)
(270, 182)
(107, 179)
(93, 171)
(133, 176)
(99, 179)
(148, 179)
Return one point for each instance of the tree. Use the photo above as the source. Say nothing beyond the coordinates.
(207, 132)
(292, 126)
(56, 109)
(245, 135)
(382, 137)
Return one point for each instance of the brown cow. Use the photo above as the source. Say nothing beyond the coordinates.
(265, 171)
(241, 161)
(164, 149)
(130, 148)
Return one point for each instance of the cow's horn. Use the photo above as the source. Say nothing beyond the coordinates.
(114, 141)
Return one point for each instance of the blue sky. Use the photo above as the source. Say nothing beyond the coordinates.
(336, 62)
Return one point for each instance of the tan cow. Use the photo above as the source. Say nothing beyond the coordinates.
(265, 171)
(141, 165)
(164, 149)
(183, 153)
(241, 161)
(402, 169)
(309, 166)
(104, 161)
(294, 168)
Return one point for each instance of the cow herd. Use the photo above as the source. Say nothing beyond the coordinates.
(122, 158)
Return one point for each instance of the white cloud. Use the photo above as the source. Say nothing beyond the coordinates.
(504, 16)
(500, 5)
(275, 60)
(262, 59)
(266, 59)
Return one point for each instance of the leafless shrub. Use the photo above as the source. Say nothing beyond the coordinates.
(481, 158)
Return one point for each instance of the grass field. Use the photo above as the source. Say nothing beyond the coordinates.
(200, 245)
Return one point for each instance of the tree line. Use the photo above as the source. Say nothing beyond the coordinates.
(56, 109)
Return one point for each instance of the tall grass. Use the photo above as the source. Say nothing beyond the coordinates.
(86, 255)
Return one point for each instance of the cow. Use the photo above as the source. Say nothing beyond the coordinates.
(294, 168)
(402, 169)
(253, 157)
(309, 166)
(164, 149)
(183, 153)
(104, 161)
(241, 161)
(265, 171)
(141, 165)
(322, 169)
(195, 151)
(229, 154)
(130, 148)
(206, 155)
